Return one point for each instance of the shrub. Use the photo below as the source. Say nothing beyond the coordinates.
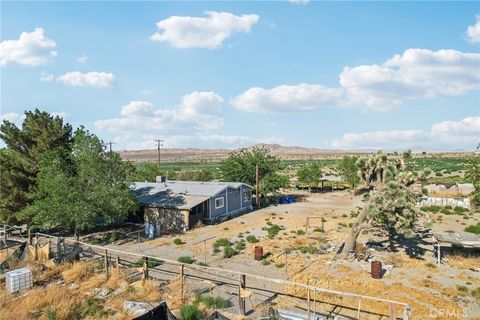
(202, 263)
(50, 313)
(300, 232)
(462, 288)
(252, 239)
(460, 210)
(307, 249)
(150, 262)
(273, 230)
(212, 302)
(341, 224)
(190, 312)
(178, 241)
(476, 292)
(431, 265)
(265, 262)
(185, 259)
(222, 243)
(280, 265)
(318, 229)
(229, 252)
(216, 250)
(95, 241)
(240, 245)
(113, 237)
(473, 228)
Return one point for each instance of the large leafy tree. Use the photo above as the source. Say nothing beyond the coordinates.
(309, 175)
(86, 187)
(348, 170)
(240, 166)
(19, 159)
(392, 192)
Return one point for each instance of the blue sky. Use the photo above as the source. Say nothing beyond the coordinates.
(335, 75)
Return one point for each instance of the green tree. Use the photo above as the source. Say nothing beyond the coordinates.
(149, 172)
(392, 192)
(348, 170)
(240, 167)
(472, 174)
(19, 159)
(86, 187)
(309, 174)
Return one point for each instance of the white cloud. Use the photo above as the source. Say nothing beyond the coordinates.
(473, 32)
(12, 117)
(299, 1)
(194, 122)
(449, 135)
(198, 112)
(287, 98)
(46, 77)
(89, 79)
(414, 74)
(202, 32)
(32, 48)
(82, 59)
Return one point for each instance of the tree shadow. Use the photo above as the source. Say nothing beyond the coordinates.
(415, 247)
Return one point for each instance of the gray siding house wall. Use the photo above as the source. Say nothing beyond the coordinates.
(207, 201)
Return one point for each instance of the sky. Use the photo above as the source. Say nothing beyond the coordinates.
(331, 75)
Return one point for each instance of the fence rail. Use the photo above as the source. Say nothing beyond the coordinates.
(163, 267)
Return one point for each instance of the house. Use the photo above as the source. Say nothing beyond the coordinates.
(179, 205)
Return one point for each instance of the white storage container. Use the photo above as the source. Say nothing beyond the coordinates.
(19, 280)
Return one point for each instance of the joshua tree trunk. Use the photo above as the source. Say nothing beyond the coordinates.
(352, 236)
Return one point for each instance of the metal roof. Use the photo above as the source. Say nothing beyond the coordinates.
(180, 194)
(460, 238)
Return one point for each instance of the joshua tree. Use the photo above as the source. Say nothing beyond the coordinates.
(390, 196)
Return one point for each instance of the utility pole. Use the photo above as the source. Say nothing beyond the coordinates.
(257, 181)
(110, 145)
(159, 144)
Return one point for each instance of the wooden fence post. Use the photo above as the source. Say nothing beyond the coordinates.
(35, 255)
(392, 311)
(145, 269)
(241, 288)
(30, 240)
(106, 263)
(182, 279)
(118, 262)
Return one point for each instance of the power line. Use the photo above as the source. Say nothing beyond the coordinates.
(110, 144)
(159, 145)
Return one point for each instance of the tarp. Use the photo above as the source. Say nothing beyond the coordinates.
(160, 312)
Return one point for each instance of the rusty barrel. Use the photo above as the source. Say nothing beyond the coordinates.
(376, 269)
(258, 253)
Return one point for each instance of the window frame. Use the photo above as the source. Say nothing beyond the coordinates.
(222, 198)
(247, 195)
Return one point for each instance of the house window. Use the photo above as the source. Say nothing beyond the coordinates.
(247, 195)
(219, 202)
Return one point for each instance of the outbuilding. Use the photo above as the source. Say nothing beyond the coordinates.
(179, 205)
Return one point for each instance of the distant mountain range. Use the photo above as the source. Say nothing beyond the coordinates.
(284, 152)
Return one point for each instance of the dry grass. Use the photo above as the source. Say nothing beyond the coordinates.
(78, 272)
(31, 305)
(421, 300)
(462, 262)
